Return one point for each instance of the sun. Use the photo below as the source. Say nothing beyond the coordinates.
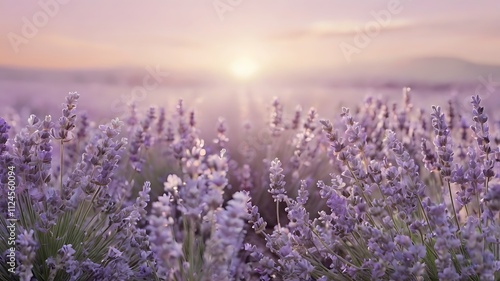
(244, 68)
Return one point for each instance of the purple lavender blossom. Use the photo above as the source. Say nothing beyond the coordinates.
(442, 142)
(26, 254)
(277, 183)
(66, 123)
(227, 239)
(4, 128)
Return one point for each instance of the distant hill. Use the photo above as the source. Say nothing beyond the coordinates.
(128, 76)
(431, 72)
(441, 70)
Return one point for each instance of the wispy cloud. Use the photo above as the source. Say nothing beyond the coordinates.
(335, 29)
(446, 26)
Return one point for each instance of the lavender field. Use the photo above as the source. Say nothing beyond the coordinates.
(378, 191)
(233, 140)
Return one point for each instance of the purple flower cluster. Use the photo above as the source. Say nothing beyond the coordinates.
(385, 217)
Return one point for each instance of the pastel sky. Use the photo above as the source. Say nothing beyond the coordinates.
(281, 36)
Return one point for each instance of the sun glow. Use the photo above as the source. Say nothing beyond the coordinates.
(244, 68)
